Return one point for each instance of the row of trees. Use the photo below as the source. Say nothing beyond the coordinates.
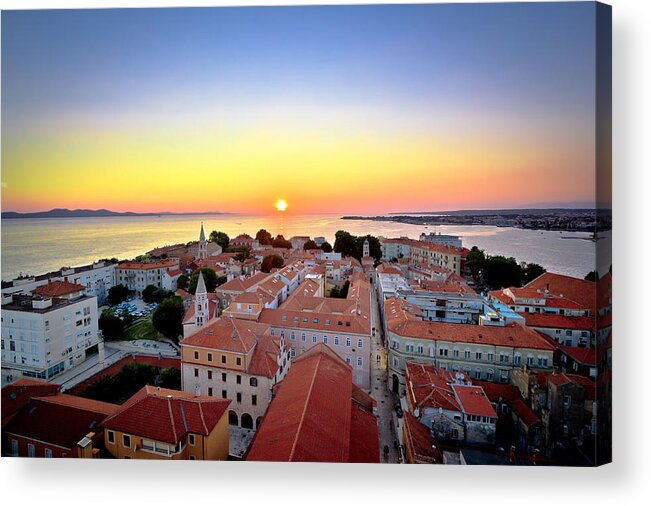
(131, 378)
(500, 272)
(265, 238)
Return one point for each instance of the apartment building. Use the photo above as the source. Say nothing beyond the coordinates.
(136, 276)
(50, 331)
(98, 278)
(235, 359)
(480, 351)
(344, 325)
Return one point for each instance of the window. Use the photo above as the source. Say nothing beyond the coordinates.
(314, 338)
(238, 379)
(337, 340)
(224, 394)
(110, 436)
(517, 359)
(348, 360)
(466, 354)
(196, 372)
(126, 440)
(489, 375)
(455, 353)
(30, 450)
(254, 400)
(325, 339)
(238, 397)
(209, 375)
(224, 377)
(303, 336)
(238, 360)
(209, 391)
(454, 433)
(209, 357)
(359, 361)
(196, 355)
(478, 355)
(360, 343)
(443, 352)
(420, 349)
(253, 382)
(348, 342)
(223, 359)
(191, 439)
(48, 453)
(530, 360)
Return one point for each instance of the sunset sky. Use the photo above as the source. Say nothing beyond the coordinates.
(362, 109)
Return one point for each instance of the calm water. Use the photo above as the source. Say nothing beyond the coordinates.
(41, 245)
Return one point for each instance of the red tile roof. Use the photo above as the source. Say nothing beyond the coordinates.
(512, 335)
(473, 401)
(242, 285)
(167, 415)
(580, 290)
(582, 355)
(313, 417)
(589, 385)
(524, 412)
(557, 321)
(420, 442)
(429, 386)
(144, 266)
(57, 420)
(228, 334)
(58, 289)
(15, 395)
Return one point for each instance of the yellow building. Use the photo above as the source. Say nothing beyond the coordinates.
(158, 423)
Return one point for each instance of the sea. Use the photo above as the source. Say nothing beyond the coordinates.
(37, 246)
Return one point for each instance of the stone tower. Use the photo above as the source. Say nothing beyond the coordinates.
(203, 246)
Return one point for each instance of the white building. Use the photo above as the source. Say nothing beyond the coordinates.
(48, 332)
(434, 238)
(98, 278)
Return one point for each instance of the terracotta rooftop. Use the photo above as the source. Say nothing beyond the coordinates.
(558, 321)
(167, 415)
(313, 417)
(143, 266)
(511, 335)
(420, 442)
(58, 289)
(582, 291)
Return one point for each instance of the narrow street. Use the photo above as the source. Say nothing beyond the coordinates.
(385, 399)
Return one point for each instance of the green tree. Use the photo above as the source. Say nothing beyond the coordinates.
(220, 238)
(346, 244)
(111, 326)
(374, 247)
(475, 261)
(147, 293)
(310, 245)
(532, 271)
(271, 262)
(243, 254)
(264, 237)
(326, 247)
(182, 282)
(117, 294)
(170, 377)
(281, 242)
(501, 272)
(209, 277)
(168, 317)
(160, 295)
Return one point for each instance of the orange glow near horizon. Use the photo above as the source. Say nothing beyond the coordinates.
(281, 205)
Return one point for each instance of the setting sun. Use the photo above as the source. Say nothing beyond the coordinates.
(281, 205)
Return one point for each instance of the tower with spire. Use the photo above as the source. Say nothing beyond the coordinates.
(201, 311)
(203, 246)
(367, 249)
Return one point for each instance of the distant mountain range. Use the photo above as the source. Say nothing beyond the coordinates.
(501, 212)
(88, 213)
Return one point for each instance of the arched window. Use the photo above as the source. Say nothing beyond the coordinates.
(247, 421)
(232, 418)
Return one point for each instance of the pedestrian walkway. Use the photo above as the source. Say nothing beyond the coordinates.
(379, 391)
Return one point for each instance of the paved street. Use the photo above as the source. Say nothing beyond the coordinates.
(385, 399)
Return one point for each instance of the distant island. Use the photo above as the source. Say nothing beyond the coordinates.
(90, 213)
(571, 220)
